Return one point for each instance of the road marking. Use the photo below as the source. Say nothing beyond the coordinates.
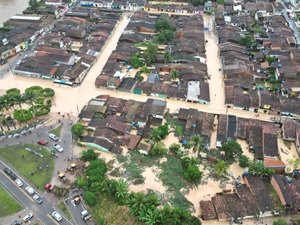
(20, 188)
(73, 203)
(50, 217)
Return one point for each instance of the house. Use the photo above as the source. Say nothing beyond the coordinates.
(288, 190)
(289, 129)
(207, 210)
(101, 144)
(274, 164)
(261, 192)
(270, 145)
(193, 92)
(153, 108)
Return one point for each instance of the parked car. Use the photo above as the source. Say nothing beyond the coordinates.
(7, 171)
(58, 148)
(56, 216)
(16, 222)
(85, 215)
(30, 190)
(28, 217)
(3, 61)
(53, 137)
(19, 62)
(42, 142)
(13, 176)
(38, 199)
(49, 187)
(19, 182)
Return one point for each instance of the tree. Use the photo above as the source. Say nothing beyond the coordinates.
(122, 191)
(244, 161)
(280, 222)
(150, 216)
(197, 143)
(89, 155)
(221, 168)
(135, 61)
(175, 148)
(164, 24)
(247, 41)
(191, 171)
(22, 115)
(165, 36)
(159, 133)
(232, 149)
(174, 74)
(158, 149)
(48, 92)
(167, 56)
(90, 198)
(257, 168)
(150, 52)
(77, 129)
(96, 170)
(196, 2)
(145, 69)
(33, 4)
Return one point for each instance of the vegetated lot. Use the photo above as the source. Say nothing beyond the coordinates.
(11, 205)
(37, 169)
(56, 131)
(108, 210)
(61, 205)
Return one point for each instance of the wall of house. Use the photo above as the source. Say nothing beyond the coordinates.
(278, 191)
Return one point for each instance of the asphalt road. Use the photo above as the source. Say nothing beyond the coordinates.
(41, 212)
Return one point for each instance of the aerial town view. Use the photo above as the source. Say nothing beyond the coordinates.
(141, 112)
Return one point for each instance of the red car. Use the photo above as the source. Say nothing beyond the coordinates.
(49, 187)
(42, 142)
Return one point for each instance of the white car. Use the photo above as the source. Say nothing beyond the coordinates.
(27, 217)
(53, 137)
(56, 216)
(58, 148)
(38, 199)
(19, 182)
(29, 190)
(19, 62)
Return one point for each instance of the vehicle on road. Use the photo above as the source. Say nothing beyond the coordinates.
(30, 190)
(19, 62)
(19, 182)
(53, 137)
(13, 176)
(3, 61)
(38, 199)
(7, 171)
(85, 215)
(27, 217)
(58, 148)
(56, 216)
(16, 222)
(42, 142)
(49, 187)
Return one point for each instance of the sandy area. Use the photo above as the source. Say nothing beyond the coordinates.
(170, 139)
(151, 181)
(245, 148)
(287, 152)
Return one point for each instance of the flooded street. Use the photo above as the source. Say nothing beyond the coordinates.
(9, 8)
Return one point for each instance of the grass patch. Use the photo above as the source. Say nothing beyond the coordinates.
(171, 177)
(10, 206)
(108, 212)
(178, 130)
(62, 207)
(56, 131)
(38, 170)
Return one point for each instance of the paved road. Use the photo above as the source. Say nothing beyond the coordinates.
(41, 212)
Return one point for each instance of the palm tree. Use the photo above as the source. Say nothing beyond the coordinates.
(221, 168)
(167, 57)
(122, 190)
(155, 135)
(197, 143)
(174, 74)
(137, 203)
(150, 216)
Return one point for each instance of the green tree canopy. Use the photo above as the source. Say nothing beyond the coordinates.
(23, 115)
(90, 198)
(257, 168)
(77, 129)
(221, 169)
(89, 155)
(233, 150)
(164, 24)
(150, 52)
(158, 149)
(247, 41)
(244, 161)
(135, 61)
(48, 92)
